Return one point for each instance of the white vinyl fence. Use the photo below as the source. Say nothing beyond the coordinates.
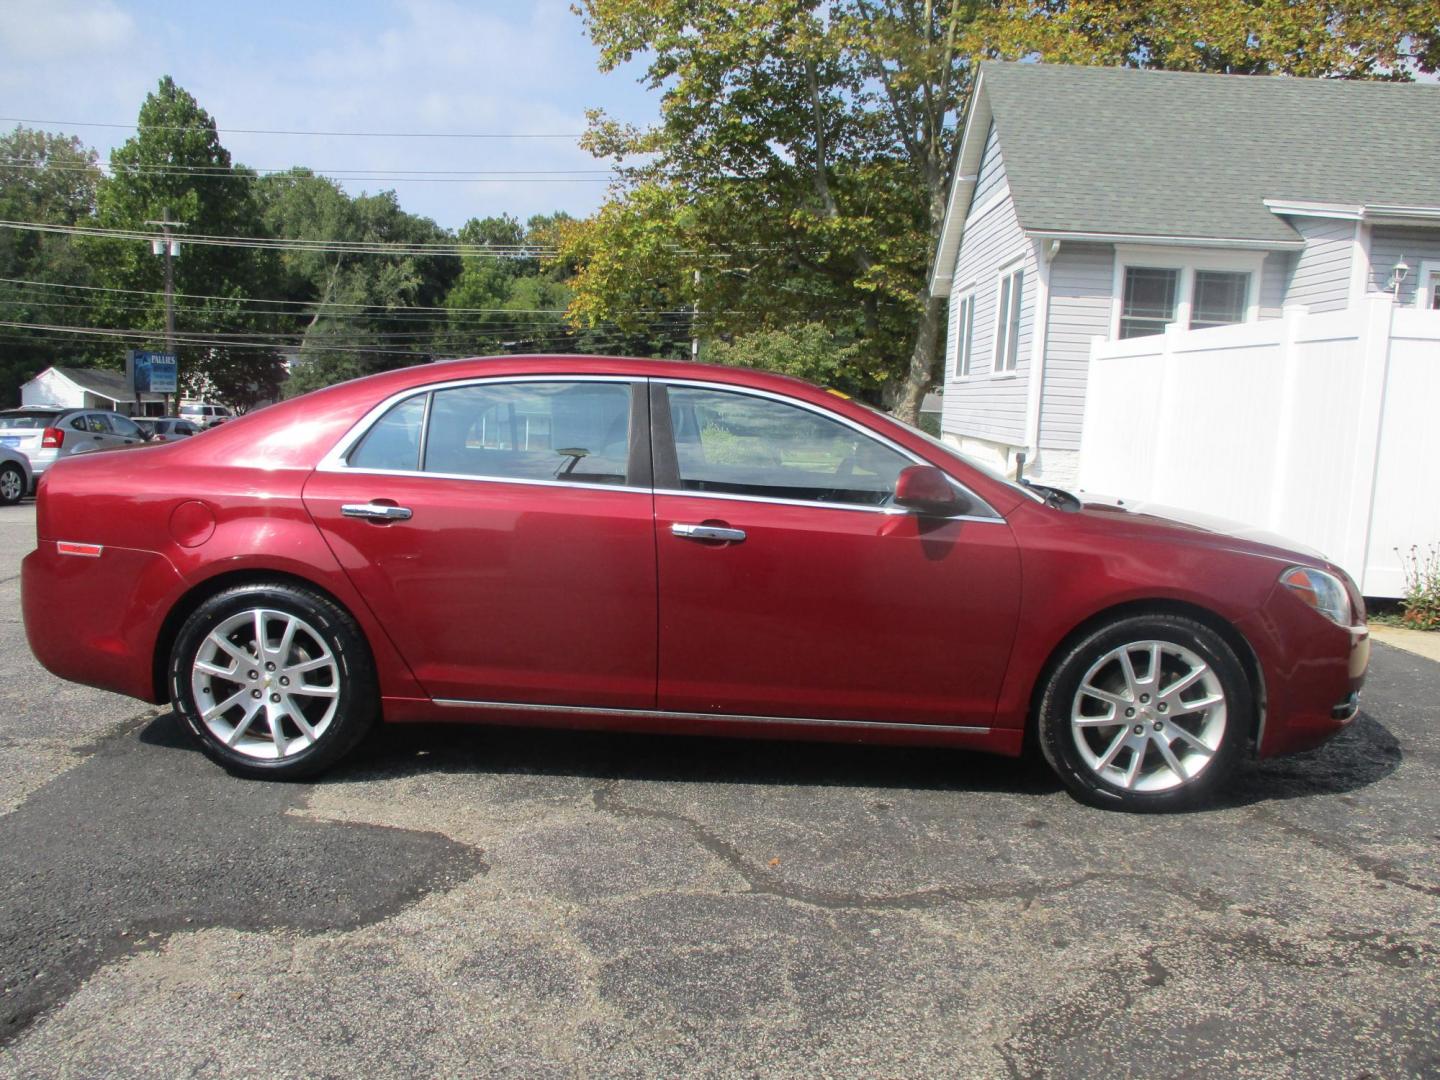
(1322, 428)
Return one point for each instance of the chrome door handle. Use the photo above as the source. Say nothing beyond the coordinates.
(707, 532)
(375, 512)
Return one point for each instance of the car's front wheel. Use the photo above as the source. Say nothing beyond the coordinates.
(12, 483)
(273, 680)
(1147, 713)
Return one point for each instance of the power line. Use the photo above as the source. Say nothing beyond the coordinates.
(275, 131)
(365, 310)
(346, 247)
(249, 173)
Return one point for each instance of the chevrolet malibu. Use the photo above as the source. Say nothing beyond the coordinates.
(671, 547)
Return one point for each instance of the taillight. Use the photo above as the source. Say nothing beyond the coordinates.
(52, 438)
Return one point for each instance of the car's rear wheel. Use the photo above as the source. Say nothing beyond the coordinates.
(273, 680)
(1148, 713)
(12, 483)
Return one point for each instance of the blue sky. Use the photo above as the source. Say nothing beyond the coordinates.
(366, 65)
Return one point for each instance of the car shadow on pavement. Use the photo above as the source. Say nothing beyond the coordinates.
(396, 750)
(1363, 754)
(1360, 756)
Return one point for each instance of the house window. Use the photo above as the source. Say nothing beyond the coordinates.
(1007, 327)
(964, 333)
(1221, 297)
(1427, 295)
(1150, 299)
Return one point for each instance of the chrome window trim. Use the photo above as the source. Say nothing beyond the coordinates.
(666, 714)
(893, 511)
(490, 479)
(334, 461)
(855, 426)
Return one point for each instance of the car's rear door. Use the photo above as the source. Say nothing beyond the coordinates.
(502, 532)
(789, 587)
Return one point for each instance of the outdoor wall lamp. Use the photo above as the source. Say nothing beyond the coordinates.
(1398, 274)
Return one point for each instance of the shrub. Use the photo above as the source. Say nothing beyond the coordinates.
(1422, 587)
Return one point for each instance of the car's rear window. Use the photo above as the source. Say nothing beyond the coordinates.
(26, 419)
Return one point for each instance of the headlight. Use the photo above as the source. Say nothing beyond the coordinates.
(1324, 592)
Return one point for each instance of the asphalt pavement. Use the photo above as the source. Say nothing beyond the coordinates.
(481, 902)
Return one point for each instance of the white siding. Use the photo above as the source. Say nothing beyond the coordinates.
(1387, 245)
(984, 405)
(1081, 279)
(1321, 277)
(991, 178)
(1274, 276)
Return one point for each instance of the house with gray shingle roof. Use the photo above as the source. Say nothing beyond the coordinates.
(1112, 203)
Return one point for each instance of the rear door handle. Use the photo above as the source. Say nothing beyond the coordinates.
(376, 512)
(707, 532)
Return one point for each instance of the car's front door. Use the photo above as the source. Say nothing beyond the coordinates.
(789, 587)
(501, 531)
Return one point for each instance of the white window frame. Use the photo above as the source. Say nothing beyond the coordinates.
(1187, 262)
(998, 368)
(1427, 283)
(963, 361)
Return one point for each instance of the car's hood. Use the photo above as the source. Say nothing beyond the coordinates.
(1160, 514)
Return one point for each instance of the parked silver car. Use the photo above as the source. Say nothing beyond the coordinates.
(15, 478)
(165, 428)
(44, 435)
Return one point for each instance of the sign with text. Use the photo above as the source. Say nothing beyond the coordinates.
(151, 372)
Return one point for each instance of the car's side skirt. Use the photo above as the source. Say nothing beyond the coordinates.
(412, 710)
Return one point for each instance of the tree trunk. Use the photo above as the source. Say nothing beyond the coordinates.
(920, 375)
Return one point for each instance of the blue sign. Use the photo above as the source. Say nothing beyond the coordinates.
(154, 373)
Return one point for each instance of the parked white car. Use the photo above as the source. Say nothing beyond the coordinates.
(204, 415)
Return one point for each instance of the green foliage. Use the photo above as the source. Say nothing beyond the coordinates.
(152, 176)
(1421, 605)
(52, 179)
(806, 350)
(352, 326)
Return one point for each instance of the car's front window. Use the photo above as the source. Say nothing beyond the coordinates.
(964, 459)
(740, 444)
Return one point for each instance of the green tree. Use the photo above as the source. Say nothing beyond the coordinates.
(175, 165)
(51, 179)
(354, 319)
(806, 147)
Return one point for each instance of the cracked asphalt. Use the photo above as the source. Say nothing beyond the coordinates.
(480, 902)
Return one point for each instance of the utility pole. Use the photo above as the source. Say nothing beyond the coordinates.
(169, 248)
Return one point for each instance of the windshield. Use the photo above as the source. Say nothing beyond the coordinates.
(26, 420)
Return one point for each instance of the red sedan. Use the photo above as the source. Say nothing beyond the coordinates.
(656, 546)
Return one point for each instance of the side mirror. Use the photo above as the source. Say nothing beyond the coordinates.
(927, 490)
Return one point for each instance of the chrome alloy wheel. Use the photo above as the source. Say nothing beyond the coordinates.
(266, 684)
(1148, 716)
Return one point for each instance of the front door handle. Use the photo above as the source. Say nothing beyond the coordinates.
(708, 532)
(376, 512)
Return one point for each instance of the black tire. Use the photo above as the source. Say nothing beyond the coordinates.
(1204, 769)
(326, 626)
(12, 483)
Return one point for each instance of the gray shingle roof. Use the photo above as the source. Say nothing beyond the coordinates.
(107, 383)
(1159, 153)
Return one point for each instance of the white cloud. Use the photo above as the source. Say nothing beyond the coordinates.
(391, 65)
(33, 30)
